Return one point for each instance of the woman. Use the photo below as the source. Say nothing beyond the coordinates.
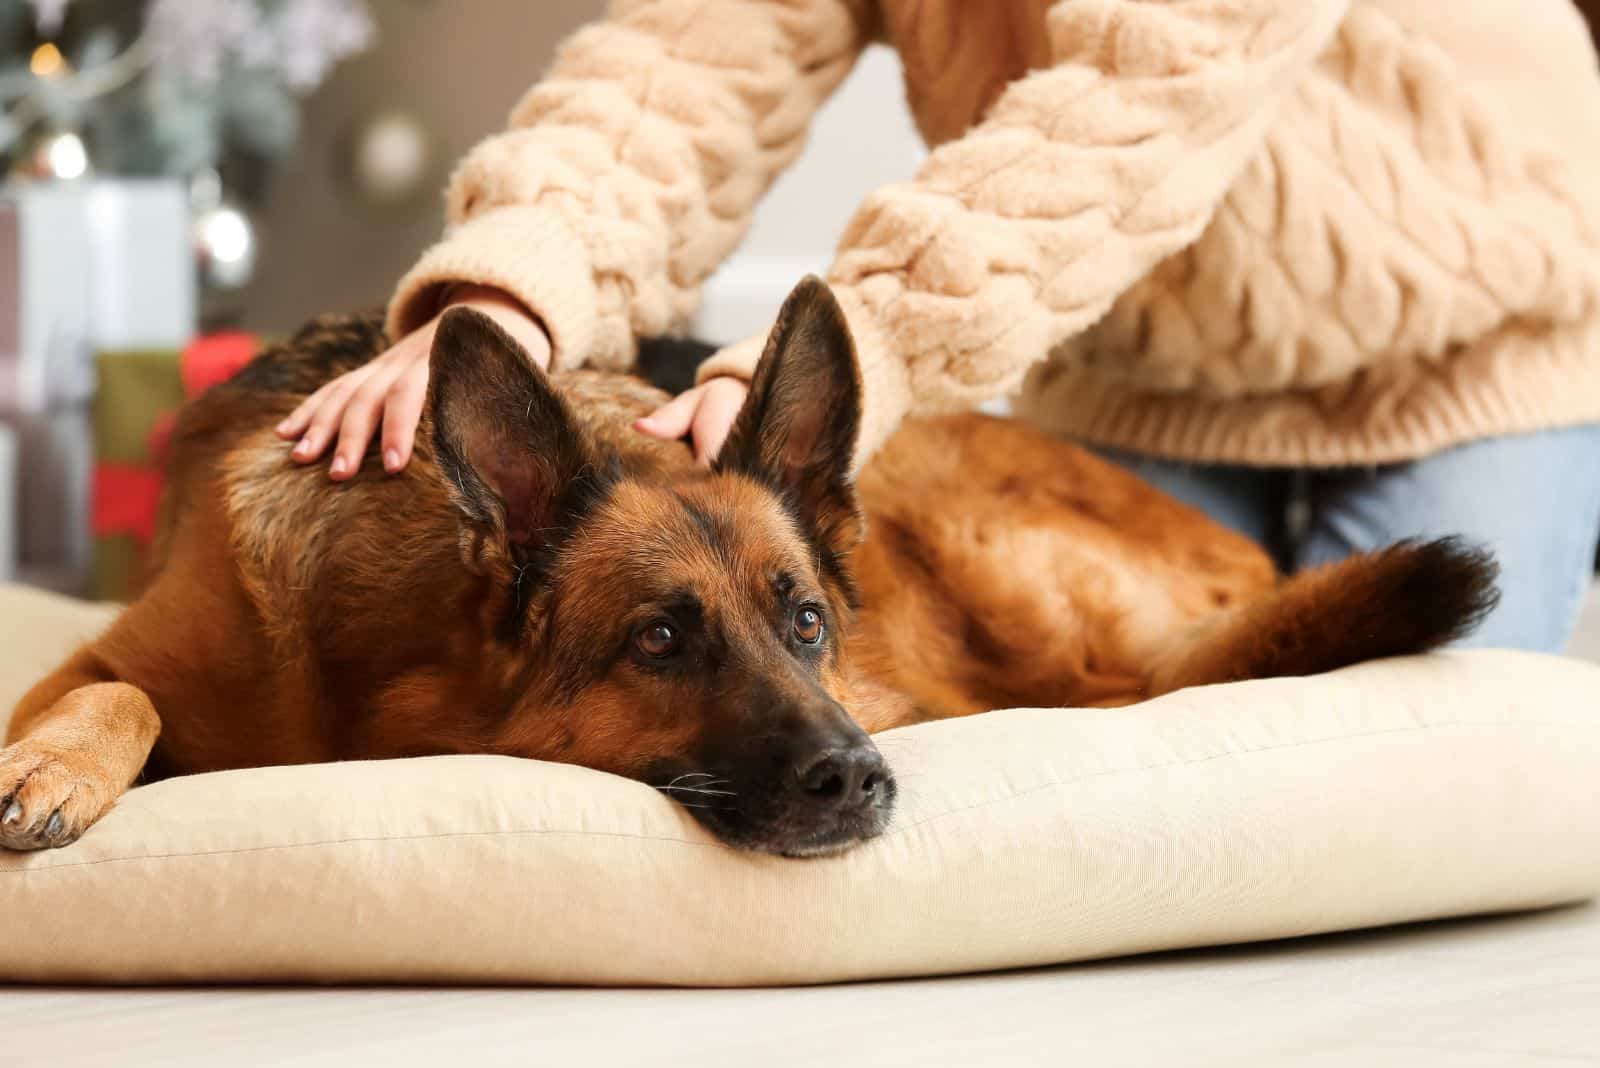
(1224, 240)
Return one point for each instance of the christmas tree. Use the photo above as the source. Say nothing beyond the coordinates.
(165, 87)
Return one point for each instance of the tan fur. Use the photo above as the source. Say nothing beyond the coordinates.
(1044, 576)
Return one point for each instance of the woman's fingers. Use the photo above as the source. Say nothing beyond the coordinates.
(390, 389)
(393, 390)
(361, 415)
(706, 413)
(295, 425)
(328, 414)
(402, 411)
(672, 420)
(718, 409)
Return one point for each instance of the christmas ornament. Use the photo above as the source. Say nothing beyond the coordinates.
(389, 158)
(56, 156)
(224, 236)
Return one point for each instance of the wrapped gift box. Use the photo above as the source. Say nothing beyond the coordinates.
(139, 396)
(8, 505)
(84, 267)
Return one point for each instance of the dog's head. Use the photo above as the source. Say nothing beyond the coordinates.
(679, 626)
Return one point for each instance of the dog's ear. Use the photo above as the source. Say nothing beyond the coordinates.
(797, 429)
(515, 460)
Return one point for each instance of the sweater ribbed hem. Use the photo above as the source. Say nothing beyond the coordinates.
(1511, 384)
(885, 379)
(733, 361)
(527, 251)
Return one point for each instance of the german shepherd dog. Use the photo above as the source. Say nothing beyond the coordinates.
(546, 582)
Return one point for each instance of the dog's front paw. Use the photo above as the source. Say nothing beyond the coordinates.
(48, 797)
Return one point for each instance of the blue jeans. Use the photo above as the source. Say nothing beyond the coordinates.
(1531, 499)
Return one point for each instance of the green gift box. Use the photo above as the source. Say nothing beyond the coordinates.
(135, 407)
(137, 395)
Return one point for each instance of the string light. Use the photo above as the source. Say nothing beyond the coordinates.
(47, 61)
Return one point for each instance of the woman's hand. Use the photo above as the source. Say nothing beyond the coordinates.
(705, 412)
(391, 389)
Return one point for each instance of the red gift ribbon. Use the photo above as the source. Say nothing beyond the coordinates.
(213, 359)
(126, 499)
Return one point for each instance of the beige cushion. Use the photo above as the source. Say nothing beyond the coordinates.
(1394, 791)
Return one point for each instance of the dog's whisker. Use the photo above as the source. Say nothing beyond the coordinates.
(697, 790)
(693, 775)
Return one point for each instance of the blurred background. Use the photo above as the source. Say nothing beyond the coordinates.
(186, 177)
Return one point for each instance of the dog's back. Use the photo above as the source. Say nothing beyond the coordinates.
(256, 565)
(1004, 567)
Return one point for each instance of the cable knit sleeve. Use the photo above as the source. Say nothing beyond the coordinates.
(1079, 180)
(630, 172)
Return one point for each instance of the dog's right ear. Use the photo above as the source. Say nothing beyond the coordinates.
(514, 458)
(797, 429)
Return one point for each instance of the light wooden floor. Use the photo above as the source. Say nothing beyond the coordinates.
(1513, 991)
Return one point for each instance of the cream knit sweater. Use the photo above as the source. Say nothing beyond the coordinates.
(1267, 231)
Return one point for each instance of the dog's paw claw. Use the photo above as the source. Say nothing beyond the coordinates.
(48, 798)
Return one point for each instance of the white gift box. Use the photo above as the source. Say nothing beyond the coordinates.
(84, 267)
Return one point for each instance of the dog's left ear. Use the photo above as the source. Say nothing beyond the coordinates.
(797, 429)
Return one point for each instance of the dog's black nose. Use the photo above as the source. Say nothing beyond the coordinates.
(843, 779)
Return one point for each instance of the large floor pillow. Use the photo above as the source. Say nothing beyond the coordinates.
(1402, 790)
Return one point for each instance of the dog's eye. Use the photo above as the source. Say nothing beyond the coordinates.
(808, 625)
(658, 640)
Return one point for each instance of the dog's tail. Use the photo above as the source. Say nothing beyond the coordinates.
(1410, 598)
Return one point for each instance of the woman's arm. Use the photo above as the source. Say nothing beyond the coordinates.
(1080, 179)
(631, 170)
